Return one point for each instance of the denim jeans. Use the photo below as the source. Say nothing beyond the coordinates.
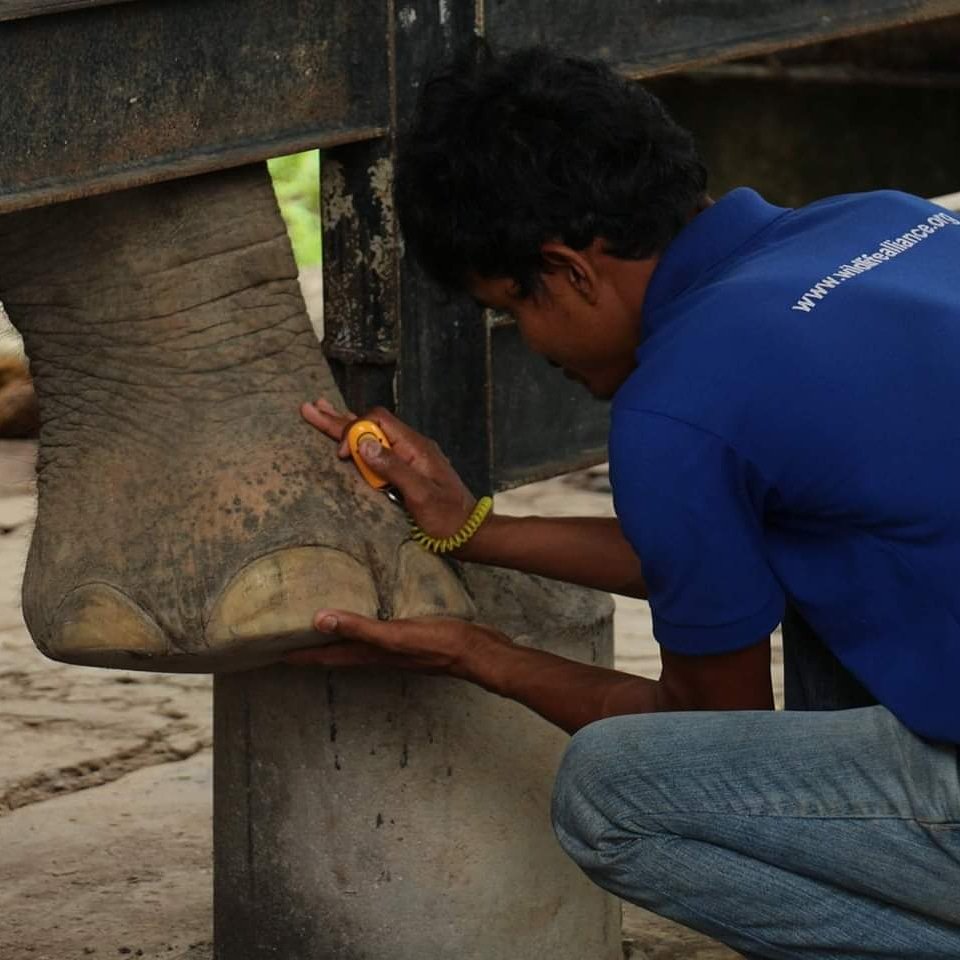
(825, 833)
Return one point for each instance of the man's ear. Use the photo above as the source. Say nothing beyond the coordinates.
(565, 264)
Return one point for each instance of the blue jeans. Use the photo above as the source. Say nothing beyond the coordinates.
(822, 834)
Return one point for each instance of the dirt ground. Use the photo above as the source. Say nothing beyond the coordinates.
(106, 781)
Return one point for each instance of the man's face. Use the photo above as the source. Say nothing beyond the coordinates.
(584, 320)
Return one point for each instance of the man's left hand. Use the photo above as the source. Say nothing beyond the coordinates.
(426, 644)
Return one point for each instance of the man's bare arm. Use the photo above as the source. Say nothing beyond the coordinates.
(567, 693)
(572, 695)
(589, 551)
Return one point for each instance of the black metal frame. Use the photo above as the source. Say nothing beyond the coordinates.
(99, 95)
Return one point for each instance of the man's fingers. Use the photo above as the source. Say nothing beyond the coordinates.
(408, 444)
(352, 626)
(412, 484)
(350, 653)
(325, 406)
(328, 423)
(428, 645)
(332, 424)
(384, 461)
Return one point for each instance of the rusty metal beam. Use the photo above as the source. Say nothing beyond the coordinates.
(361, 294)
(832, 74)
(927, 47)
(138, 92)
(21, 9)
(646, 37)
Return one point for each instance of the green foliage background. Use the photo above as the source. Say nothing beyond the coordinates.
(296, 182)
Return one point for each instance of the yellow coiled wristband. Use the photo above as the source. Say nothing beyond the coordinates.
(448, 544)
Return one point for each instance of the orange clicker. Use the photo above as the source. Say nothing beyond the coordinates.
(359, 431)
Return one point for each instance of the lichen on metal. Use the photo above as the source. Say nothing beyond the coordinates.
(383, 246)
(338, 202)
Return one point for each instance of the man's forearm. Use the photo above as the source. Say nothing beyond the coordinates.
(567, 693)
(590, 551)
(571, 694)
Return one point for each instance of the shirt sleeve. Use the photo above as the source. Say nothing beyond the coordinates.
(692, 509)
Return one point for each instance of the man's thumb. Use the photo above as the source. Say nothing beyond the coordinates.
(385, 463)
(372, 452)
(351, 626)
(327, 621)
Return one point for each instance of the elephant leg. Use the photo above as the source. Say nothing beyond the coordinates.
(187, 518)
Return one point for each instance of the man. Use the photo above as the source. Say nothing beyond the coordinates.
(784, 435)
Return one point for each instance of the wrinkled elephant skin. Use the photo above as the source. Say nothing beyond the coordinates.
(188, 519)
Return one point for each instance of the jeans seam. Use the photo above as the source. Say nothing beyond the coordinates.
(714, 921)
(920, 821)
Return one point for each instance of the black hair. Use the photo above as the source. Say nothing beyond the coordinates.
(504, 154)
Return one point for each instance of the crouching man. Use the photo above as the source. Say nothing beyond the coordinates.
(784, 447)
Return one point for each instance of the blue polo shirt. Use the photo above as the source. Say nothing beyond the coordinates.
(792, 430)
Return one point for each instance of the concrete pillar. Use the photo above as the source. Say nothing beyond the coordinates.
(363, 815)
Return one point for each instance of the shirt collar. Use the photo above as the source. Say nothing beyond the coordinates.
(707, 240)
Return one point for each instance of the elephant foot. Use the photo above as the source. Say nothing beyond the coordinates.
(187, 518)
(266, 610)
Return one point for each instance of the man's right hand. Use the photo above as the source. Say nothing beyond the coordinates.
(432, 491)
(591, 551)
